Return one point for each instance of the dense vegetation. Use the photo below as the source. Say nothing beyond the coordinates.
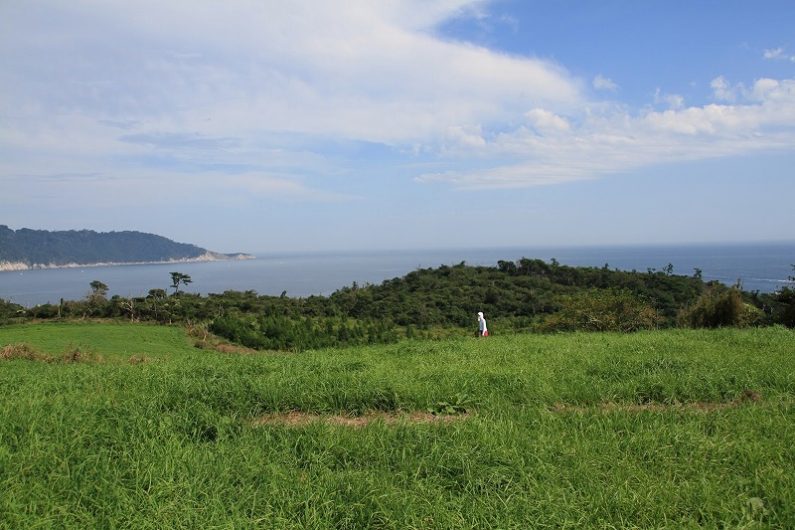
(663, 429)
(528, 295)
(86, 247)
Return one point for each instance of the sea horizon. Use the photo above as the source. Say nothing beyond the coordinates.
(352, 251)
(757, 266)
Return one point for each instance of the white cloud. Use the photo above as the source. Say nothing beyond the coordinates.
(610, 139)
(674, 101)
(362, 70)
(775, 53)
(248, 95)
(761, 90)
(604, 83)
(778, 54)
(546, 121)
(467, 137)
(722, 91)
(766, 88)
(174, 88)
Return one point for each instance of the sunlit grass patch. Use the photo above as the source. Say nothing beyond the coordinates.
(114, 341)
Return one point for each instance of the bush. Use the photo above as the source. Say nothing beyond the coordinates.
(784, 307)
(717, 307)
(44, 311)
(10, 311)
(602, 311)
(237, 330)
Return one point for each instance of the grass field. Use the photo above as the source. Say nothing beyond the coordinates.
(668, 429)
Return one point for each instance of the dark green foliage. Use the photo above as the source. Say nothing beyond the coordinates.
(238, 330)
(178, 278)
(10, 312)
(511, 295)
(96, 298)
(283, 333)
(86, 246)
(98, 288)
(777, 307)
(45, 311)
(785, 303)
(784, 307)
(514, 296)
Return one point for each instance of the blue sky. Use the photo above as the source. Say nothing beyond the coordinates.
(306, 125)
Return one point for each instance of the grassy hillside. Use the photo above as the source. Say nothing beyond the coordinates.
(657, 429)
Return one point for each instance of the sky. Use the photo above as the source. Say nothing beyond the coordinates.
(302, 125)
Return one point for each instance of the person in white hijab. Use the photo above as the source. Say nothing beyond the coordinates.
(482, 329)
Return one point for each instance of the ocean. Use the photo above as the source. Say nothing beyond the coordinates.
(762, 267)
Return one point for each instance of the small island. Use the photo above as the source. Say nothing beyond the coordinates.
(26, 249)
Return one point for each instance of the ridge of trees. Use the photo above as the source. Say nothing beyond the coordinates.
(87, 247)
(526, 295)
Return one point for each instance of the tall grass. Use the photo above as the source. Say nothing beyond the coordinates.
(174, 442)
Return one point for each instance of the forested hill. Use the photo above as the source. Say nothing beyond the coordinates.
(526, 295)
(26, 248)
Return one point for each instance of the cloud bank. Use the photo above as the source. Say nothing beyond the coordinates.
(253, 95)
(611, 139)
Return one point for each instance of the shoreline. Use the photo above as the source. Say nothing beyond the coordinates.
(21, 266)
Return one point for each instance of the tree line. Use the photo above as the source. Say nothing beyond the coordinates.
(528, 295)
(87, 246)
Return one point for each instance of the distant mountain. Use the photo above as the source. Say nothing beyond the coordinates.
(40, 249)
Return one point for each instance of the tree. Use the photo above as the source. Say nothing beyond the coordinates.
(784, 304)
(508, 267)
(98, 289)
(128, 305)
(96, 298)
(155, 301)
(784, 307)
(179, 278)
(157, 294)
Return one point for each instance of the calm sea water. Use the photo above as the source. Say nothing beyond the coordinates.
(763, 267)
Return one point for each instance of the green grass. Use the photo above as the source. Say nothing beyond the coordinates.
(112, 341)
(173, 443)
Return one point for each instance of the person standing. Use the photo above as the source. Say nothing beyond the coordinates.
(483, 331)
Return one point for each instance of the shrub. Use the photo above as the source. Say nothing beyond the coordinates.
(237, 330)
(602, 311)
(717, 307)
(784, 307)
(10, 311)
